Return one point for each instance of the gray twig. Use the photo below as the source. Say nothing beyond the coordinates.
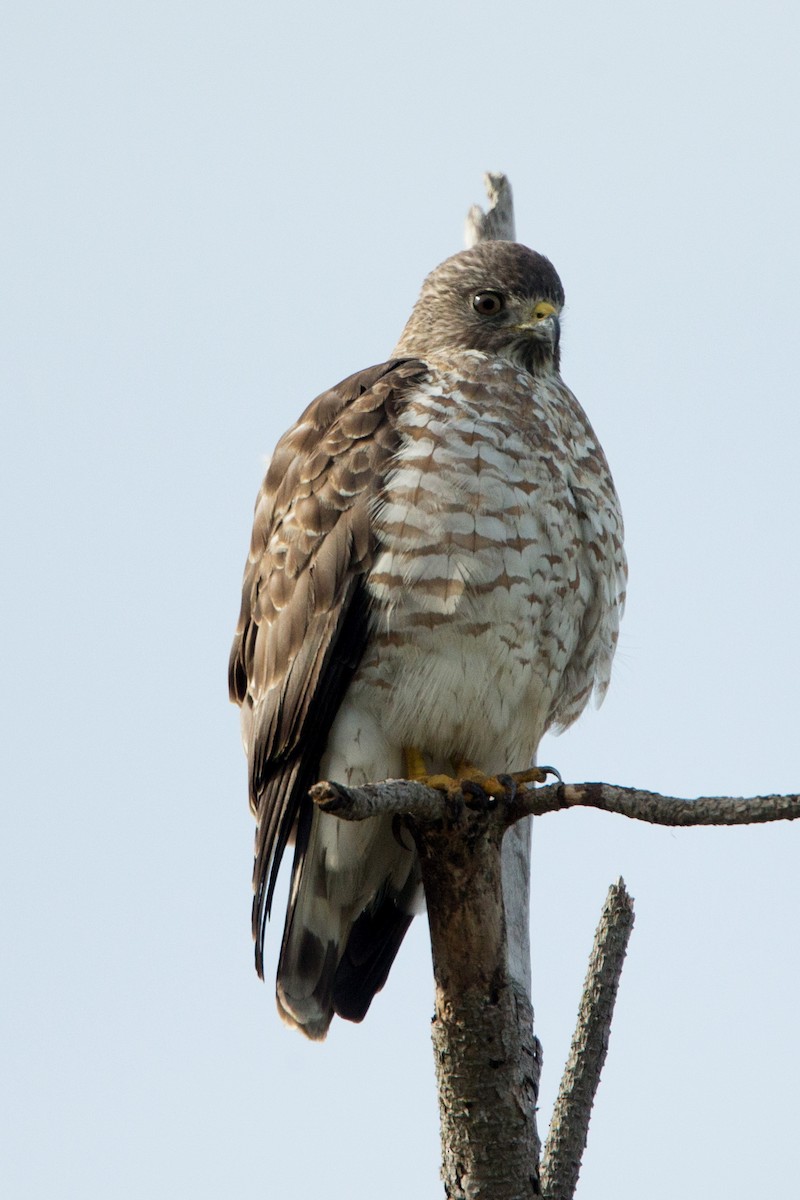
(569, 1125)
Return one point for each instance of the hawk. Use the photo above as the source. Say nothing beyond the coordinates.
(435, 578)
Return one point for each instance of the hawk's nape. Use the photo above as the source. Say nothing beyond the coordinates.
(436, 567)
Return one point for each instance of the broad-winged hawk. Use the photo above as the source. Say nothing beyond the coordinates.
(436, 575)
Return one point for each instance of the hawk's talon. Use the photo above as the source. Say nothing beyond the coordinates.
(510, 784)
(399, 825)
(476, 796)
(535, 775)
(554, 771)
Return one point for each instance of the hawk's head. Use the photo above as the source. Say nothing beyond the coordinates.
(498, 297)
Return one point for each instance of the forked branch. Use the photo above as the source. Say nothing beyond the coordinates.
(487, 1060)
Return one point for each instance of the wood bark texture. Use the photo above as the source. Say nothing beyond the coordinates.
(482, 1031)
(569, 1124)
(487, 1059)
(402, 797)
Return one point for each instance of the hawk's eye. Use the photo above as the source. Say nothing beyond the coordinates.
(488, 303)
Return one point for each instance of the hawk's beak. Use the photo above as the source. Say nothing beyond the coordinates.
(542, 323)
(551, 328)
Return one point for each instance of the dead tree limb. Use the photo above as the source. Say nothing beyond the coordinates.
(488, 1062)
(401, 797)
(497, 223)
(569, 1124)
(487, 1059)
(670, 810)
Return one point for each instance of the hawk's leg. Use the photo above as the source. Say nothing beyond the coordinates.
(414, 763)
(416, 769)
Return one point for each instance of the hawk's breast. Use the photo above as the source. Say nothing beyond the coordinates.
(497, 584)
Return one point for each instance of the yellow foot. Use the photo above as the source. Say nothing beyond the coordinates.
(534, 775)
(416, 769)
(496, 786)
(502, 785)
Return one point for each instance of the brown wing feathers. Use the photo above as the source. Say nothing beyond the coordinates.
(304, 619)
(287, 778)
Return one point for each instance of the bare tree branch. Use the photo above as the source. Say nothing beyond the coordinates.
(671, 810)
(488, 1062)
(569, 1125)
(404, 798)
(497, 223)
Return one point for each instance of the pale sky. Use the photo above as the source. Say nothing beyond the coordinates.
(210, 212)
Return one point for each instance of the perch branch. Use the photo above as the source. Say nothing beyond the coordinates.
(404, 798)
(671, 810)
(569, 1125)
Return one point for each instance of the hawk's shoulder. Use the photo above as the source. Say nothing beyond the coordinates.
(322, 467)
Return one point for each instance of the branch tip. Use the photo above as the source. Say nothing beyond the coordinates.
(569, 1125)
(497, 223)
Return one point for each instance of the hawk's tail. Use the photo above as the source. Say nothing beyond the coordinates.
(351, 902)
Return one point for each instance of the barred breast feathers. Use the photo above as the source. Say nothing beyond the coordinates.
(499, 508)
